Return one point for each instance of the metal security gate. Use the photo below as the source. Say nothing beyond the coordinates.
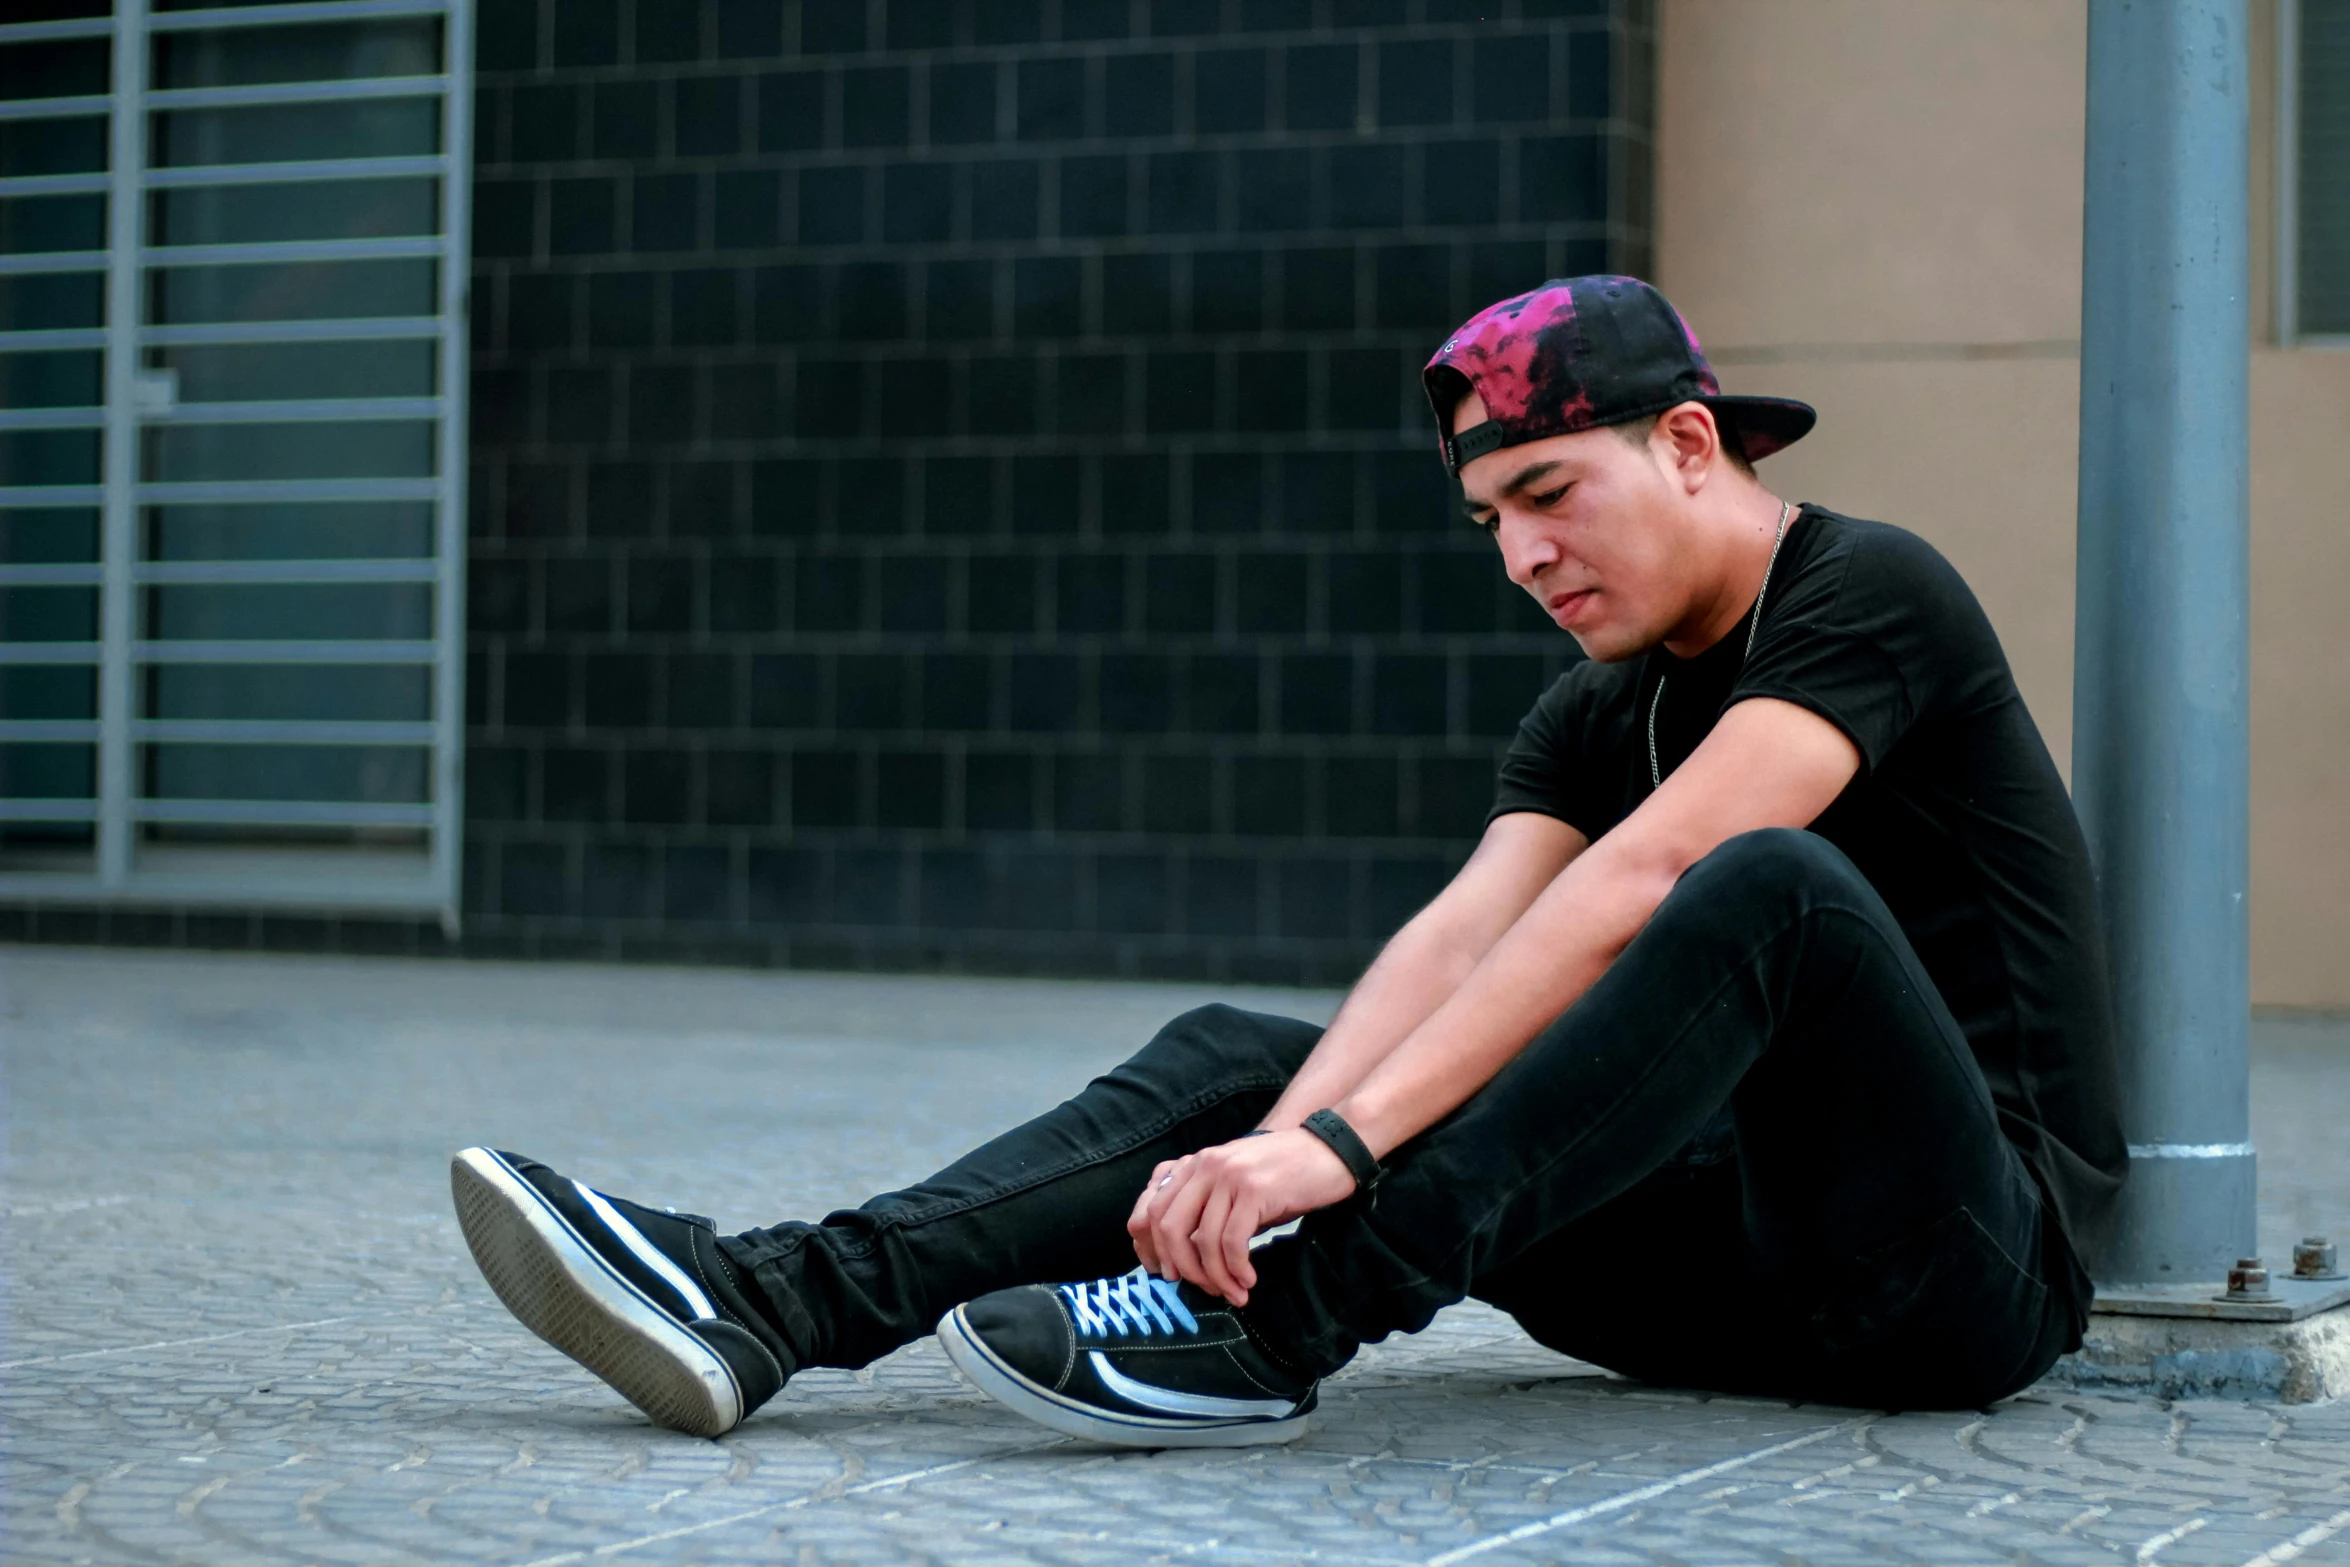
(233, 249)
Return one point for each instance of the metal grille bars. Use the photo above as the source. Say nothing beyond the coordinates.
(232, 426)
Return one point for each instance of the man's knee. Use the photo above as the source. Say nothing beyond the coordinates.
(1774, 857)
(1229, 1042)
(1774, 878)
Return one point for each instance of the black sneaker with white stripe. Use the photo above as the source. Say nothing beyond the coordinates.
(1134, 1361)
(642, 1297)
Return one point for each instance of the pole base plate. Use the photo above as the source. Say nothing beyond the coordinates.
(2291, 1300)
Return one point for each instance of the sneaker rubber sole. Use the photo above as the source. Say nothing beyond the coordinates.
(1087, 1422)
(557, 1286)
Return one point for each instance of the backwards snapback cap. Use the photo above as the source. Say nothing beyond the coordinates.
(1582, 352)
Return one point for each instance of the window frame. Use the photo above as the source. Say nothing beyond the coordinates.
(2286, 283)
(257, 880)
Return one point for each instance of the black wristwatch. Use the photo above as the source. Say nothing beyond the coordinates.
(1331, 1127)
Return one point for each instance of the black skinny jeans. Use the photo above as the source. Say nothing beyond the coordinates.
(1757, 1156)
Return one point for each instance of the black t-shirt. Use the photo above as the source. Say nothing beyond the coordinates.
(1957, 816)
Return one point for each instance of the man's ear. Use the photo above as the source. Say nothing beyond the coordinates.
(1692, 443)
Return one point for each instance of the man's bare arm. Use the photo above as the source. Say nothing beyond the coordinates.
(1426, 961)
(1767, 764)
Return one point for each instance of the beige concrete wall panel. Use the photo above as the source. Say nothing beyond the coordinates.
(1976, 457)
(1875, 205)
(1871, 171)
(2300, 678)
(1980, 458)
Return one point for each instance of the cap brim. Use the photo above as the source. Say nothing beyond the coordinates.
(1765, 424)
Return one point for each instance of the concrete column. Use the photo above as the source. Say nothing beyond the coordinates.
(2160, 690)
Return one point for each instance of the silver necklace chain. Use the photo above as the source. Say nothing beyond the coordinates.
(1656, 777)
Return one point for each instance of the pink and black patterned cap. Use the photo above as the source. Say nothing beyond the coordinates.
(1581, 352)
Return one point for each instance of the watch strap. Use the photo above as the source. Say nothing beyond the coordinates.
(1331, 1127)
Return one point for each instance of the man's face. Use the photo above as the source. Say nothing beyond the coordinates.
(1592, 526)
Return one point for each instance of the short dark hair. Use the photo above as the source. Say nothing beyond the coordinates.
(1637, 431)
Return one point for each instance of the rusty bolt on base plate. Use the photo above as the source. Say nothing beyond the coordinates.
(2314, 1258)
(2247, 1280)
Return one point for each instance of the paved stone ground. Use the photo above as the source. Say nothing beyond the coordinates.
(241, 1327)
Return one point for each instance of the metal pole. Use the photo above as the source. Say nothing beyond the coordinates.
(448, 698)
(118, 548)
(2161, 744)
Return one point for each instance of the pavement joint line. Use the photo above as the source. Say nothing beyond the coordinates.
(214, 1338)
(2155, 1545)
(2315, 1534)
(1541, 1474)
(34, 1210)
(1023, 1534)
(1624, 1499)
(615, 1547)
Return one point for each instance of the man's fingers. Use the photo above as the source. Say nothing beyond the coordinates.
(1178, 1258)
(1240, 1227)
(1229, 1242)
(1139, 1221)
(1207, 1238)
(1176, 1253)
(1163, 1182)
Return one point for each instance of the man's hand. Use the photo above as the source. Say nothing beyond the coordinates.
(1196, 1217)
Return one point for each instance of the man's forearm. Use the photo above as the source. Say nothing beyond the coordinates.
(1413, 975)
(1536, 971)
(1428, 959)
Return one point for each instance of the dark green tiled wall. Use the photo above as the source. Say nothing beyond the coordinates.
(948, 480)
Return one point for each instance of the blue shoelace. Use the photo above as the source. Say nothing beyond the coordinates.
(1130, 1303)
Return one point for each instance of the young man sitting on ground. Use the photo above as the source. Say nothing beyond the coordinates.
(1779, 951)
